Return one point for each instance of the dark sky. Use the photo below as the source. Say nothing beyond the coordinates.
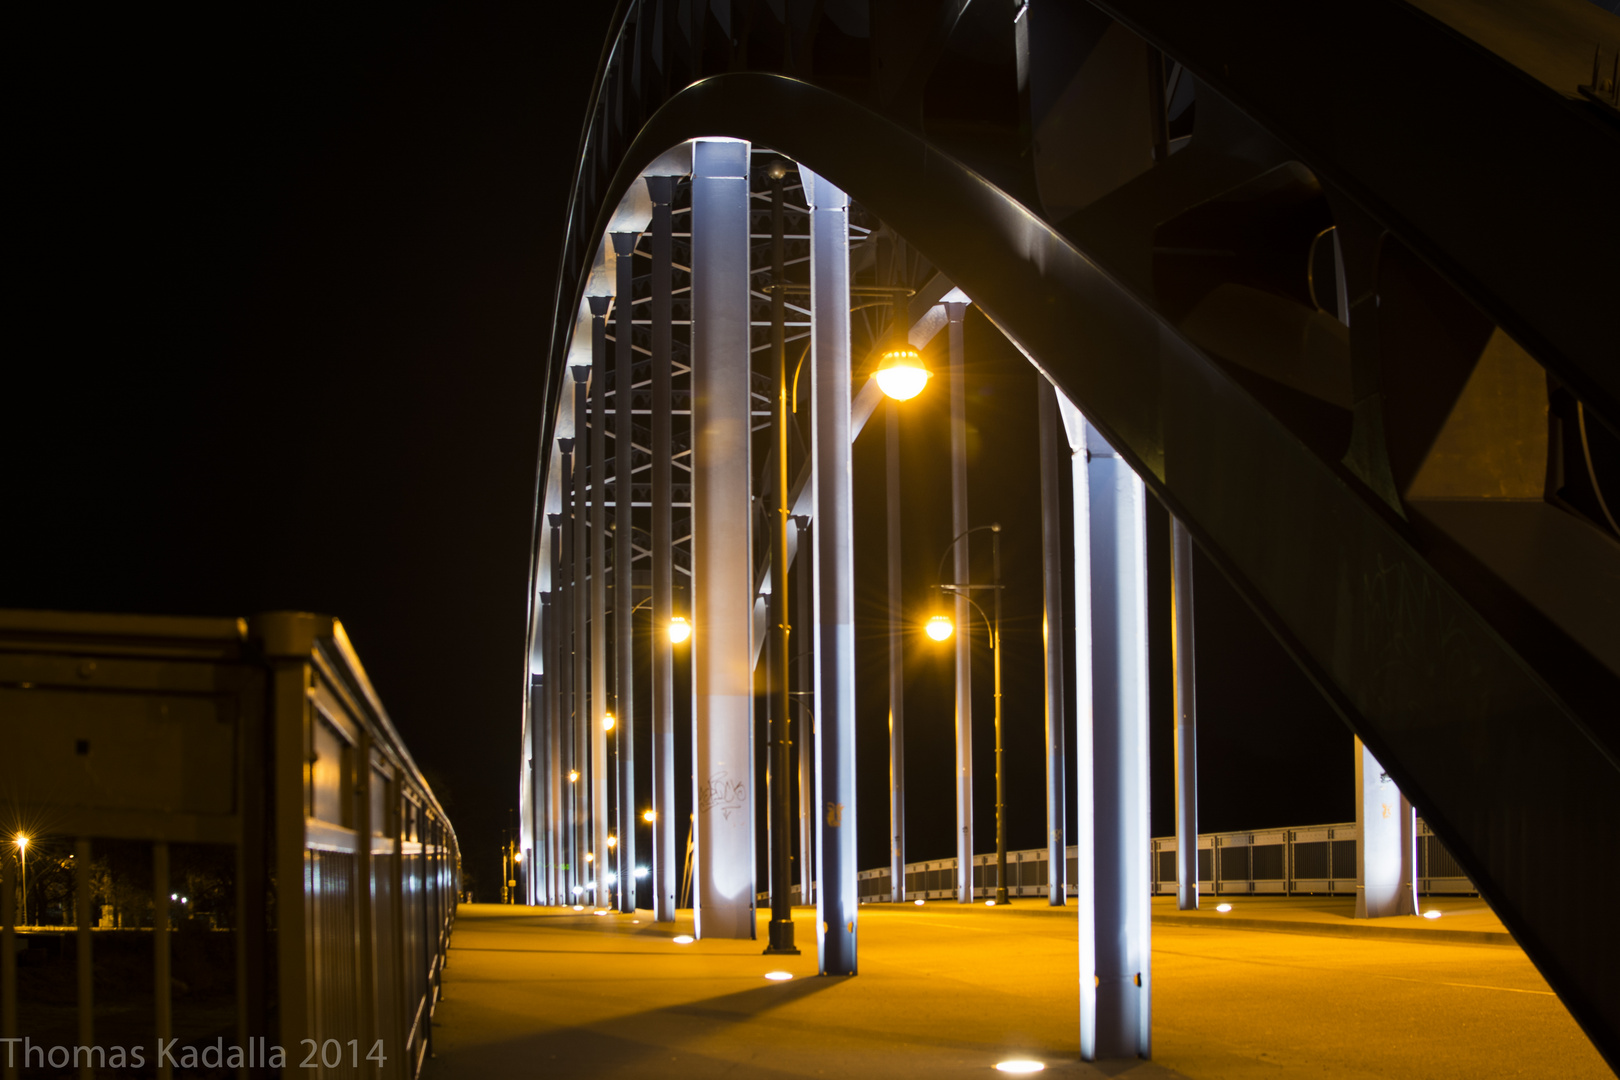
(282, 288)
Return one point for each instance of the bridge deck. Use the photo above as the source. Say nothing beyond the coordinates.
(949, 991)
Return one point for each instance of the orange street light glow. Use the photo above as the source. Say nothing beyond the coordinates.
(940, 627)
(679, 630)
(902, 375)
(649, 816)
(608, 722)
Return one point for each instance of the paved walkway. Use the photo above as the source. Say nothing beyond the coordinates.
(948, 991)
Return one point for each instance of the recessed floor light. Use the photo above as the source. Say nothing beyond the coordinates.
(779, 976)
(919, 903)
(1431, 914)
(1020, 1066)
(683, 939)
(989, 903)
(579, 907)
(1223, 907)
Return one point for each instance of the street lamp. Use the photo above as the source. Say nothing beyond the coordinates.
(22, 859)
(608, 722)
(679, 630)
(940, 628)
(901, 373)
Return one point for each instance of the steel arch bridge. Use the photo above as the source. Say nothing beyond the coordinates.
(1338, 285)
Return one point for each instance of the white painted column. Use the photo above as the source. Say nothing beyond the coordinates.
(722, 586)
(1120, 749)
(954, 311)
(837, 901)
(1386, 843)
(1084, 878)
(598, 574)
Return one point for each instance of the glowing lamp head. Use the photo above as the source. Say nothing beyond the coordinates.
(940, 627)
(613, 841)
(649, 816)
(590, 856)
(608, 722)
(901, 373)
(679, 630)
(573, 776)
(517, 856)
(22, 842)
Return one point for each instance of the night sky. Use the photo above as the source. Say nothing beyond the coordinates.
(282, 298)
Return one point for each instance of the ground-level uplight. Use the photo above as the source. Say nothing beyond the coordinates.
(1223, 907)
(579, 907)
(779, 976)
(1020, 1065)
(919, 903)
(1431, 914)
(683, 939)
(989, 903)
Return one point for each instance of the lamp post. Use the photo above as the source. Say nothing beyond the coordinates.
(22, 862)
(940, 628)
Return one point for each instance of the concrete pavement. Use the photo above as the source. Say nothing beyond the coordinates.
(947, 991)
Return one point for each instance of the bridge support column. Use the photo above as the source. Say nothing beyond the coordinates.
(1386, 843)
(963, 615)
(1120, 745)
(1186, 704)
(1085, 865)
(1057, 848)
(661, 190)
(554, 716)
(722, 574)
(624, 600)
(836, 899)
(579, 607)
(567, 853)
(597, 569)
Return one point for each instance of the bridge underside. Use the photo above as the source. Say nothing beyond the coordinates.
(1385, 440)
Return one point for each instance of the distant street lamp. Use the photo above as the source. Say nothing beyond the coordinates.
(679, 630)
(608, 722)
(22, 859)
(940, 628)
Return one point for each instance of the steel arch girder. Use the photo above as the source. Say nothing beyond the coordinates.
(1470, 161)
(1502, 767)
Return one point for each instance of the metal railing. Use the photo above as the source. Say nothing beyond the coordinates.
(233, 862)
(1316, 859)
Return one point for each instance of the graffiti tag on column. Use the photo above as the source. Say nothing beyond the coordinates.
(835, 814)
(724, 794)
